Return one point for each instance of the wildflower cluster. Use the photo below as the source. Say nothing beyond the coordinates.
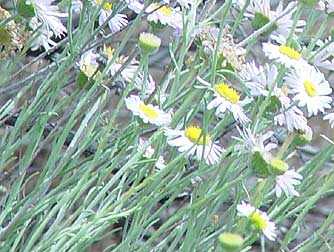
(210, 103)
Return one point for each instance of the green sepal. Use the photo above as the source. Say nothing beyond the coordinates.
(25, 10)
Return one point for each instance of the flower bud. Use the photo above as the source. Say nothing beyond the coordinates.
(149, 43)
(230, 242)
(278, 167)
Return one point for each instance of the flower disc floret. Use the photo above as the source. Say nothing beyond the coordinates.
(227, 92)
(258, 221)
(310, 88)
(290, 52)
(148, 111)
(195, 134)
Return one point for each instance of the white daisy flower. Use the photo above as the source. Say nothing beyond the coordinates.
(250, 142)
(330, 118)
(184, 3)
(326, 5)
(50, 16)
(286, 182)
(88, 63)
(164, 15)
(259, 11)
(293, 118)
(117, 22)
(258, 78)
(226, 98)
(135, 5)
(147, 112)
(283, 54)
(323, 56)
(310, 88)
(149, 152)
(127, 73)
(149, 85)
(191, 140)
(43, 39)
(259, 219)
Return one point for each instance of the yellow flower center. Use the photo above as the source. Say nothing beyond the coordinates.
(227, 92)
(310, 88)
(258, 221)
(148, 111)
(107, 6)
(290, 52)
(164, 9)
(108, 51)
(194, 134)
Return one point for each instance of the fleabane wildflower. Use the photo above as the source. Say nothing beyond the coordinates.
(310, 89)
(259, 220)
(284, 54)
(293, 118)
(128, 73)
(193, 141)
(117, 22)
(330, 118)
(285, 179)
(326, 5)
(260, 14)
(323, 55)
(164, 15)
(258, 79)
(147, 112)
(149, 153)
(88, 64)
(226, 98)
(48, 18)
(251, 142)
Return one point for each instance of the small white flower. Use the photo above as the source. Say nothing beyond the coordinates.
(292, 117)
(323, 56)
(117, 22)
(127, 73)
(88, 64)
(326, 5)
(260, 12)
(259, 219)
(286, 182)
(226, 98)
(149, 152)
(310, 88)
(135, 5)
(258, 78)
(165, 15)
(191, 140)
(49, 15)
(250, 142)
(283, 54)
(330, 118)
(147, 112)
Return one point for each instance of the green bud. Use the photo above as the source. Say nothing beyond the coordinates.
(278, 167)
(230, 242)
(25, 10)
(149, 43)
